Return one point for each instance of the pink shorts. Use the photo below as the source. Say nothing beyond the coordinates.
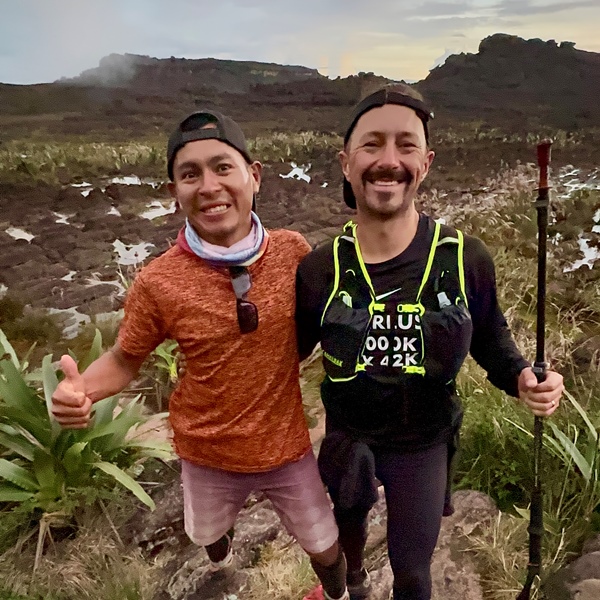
(213, 498)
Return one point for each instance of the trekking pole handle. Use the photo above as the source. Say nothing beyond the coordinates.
(543, 157)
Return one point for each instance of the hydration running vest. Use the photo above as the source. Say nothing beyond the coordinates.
(391, 341)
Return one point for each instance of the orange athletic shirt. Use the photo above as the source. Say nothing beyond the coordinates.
(238, 406)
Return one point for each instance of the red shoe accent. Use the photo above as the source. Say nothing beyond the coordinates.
(316, 594)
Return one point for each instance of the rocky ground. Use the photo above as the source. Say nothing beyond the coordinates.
(186, 575)
(71, 245)
(456, 574)
(76, 240)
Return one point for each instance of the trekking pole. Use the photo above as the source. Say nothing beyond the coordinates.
(536, 518)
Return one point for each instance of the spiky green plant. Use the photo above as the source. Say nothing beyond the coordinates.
(51, 470)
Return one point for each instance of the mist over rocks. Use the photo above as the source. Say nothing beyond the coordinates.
(153, 75)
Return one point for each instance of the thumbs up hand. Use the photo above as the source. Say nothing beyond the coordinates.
(71, 406)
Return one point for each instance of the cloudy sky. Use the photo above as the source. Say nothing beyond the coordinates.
(43, 40)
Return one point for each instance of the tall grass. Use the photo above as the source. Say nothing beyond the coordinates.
(303, 146)
(49, 162)
(37, 159)
(477, 131)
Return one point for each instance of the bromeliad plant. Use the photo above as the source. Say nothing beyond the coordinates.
(52, 471)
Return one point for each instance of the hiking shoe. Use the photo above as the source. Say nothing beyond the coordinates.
(319, 594)
(226, 564)
(359, 584)
(215, 567)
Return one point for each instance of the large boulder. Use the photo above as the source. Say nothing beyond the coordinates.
(26, 272)
(453, 571)
(19, 252)
(68, 200)
(89, 258)
(580, 580)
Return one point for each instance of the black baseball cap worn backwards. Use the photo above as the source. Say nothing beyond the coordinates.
(376, 100)
(194, 127)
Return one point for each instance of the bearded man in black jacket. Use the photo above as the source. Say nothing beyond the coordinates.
(397, 302)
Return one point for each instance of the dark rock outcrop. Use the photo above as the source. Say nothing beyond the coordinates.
(535, 81)
(580, 580)
(177, 75)
(510, 81)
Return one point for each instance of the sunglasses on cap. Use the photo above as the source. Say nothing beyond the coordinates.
(247, 312)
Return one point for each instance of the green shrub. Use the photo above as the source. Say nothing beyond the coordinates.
(34, 327)
(47, 472)
(11, 309)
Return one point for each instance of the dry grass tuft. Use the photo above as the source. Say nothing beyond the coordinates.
(92, 566)
(500, 550)
(283, 572)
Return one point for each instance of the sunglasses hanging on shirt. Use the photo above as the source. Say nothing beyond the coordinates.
(247, 312)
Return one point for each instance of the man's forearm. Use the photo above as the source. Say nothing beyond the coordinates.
(498, 354)
(110, 374)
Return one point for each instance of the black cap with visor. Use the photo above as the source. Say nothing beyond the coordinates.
(194, 127)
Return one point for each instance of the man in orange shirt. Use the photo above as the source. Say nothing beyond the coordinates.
(226, 293)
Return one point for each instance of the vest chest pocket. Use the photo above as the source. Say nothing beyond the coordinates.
(447, 334)
(343, 336)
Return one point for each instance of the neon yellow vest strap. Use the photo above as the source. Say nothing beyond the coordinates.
(432, 249)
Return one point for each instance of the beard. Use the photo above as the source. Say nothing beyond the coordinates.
(381, 205)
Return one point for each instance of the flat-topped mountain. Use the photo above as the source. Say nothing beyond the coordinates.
(544, 81)
(170, 75)
(510, 82)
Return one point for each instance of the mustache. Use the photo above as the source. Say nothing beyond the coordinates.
(398, 175)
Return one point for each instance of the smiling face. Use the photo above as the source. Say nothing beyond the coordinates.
(215, 186)
(386, 159)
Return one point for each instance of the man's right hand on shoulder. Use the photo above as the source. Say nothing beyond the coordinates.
(71, 406)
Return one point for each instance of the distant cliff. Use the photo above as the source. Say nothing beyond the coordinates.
(511, 82)
(167, 76)
(543, 81)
